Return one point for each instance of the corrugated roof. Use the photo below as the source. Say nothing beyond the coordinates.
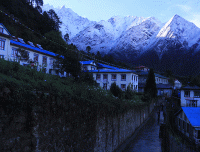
(112, 71)
(33, 48)
(145, 73)
(190, 88)
(193, 115)
(100, 65)
(86, 62)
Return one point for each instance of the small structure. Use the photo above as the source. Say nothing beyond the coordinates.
(188, 122)
(190, 96)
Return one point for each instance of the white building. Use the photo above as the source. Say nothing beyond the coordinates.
(190, 96)
(39, 58)
(105, 75)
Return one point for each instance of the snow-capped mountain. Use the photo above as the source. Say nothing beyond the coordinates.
(127, 35)
(177, 31)
(72, 23)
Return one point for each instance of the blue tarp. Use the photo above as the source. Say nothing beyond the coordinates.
(193, 114)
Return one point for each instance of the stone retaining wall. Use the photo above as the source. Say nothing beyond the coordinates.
(111, 132)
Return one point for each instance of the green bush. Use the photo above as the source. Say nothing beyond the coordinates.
(115, 90)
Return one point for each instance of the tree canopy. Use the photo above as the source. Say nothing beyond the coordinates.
(150, 87)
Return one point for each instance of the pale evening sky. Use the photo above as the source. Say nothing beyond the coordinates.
(96, 10)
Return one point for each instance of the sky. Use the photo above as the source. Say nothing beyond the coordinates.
(97, 10)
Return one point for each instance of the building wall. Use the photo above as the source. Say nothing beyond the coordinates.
(183, 99)
(7, 46)
(118, 80)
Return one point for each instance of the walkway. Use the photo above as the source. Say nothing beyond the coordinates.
(147, 139)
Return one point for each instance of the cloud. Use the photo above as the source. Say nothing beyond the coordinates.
(184, 8)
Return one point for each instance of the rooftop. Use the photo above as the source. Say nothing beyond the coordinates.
(190, 88)
(193, 115)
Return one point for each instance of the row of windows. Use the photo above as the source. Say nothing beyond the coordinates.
(196, 94)
(123, 86)
(160, 80)
(114, 77)
(35, 57)
(86, 68)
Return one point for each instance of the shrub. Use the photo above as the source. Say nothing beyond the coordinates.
(115, 90)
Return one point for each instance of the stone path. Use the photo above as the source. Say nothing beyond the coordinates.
(147, 140)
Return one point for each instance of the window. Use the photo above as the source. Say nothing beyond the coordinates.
(2, 44)
(183, 125)
(197, 94)
(123, 87)
(85, 68)
(44, 70)
(105, 86)
(136, 78)
(187, 94)
(92, 67)
(14, 52)
(51, 61)
(1, 56)
(50, 71)
(123, 77)
(1, 30)
(36, 57)
(191, 103)
(62, 73)
(44, 60)
(98, 84)
(198, 134)
(136, 87)
(179, 122)
(188, 126)
(113, 77)
(105, 77)
(98, 77)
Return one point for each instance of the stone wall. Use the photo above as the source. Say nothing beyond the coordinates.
(111, 132)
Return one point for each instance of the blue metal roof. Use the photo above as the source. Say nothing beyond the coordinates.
(112, 71)
(86, 62)
(193, 114)
(145, 73)
(190, 88)
(100, 65)
(33, 48)
(6, 29)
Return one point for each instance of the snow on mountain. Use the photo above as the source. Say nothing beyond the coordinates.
(104, 35)
(128, 34)
(138, 37)
(181, 29)
(177, 32)
(72, 23)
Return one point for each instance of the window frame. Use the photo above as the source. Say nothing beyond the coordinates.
(197, 91)
(44, 60)
(105, 75)
(2, 43)
(98, 76)
(123, 88)
(1, 29)
(123, 77)
(188, 91)
(35, 57)
(113, 75)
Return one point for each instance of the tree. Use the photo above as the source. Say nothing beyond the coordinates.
(69, 62)
(150, 87)
(115, 90)
(66, 37)
(52, 14)
(88, 48)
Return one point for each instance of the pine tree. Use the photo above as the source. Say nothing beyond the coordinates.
(150, 87)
